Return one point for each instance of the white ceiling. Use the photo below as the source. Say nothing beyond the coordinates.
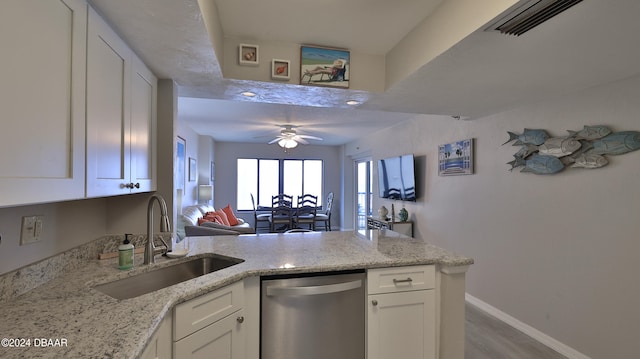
(594, 42)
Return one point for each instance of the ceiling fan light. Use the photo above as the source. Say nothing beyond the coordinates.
(287, 143)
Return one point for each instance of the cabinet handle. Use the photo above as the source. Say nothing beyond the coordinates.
(374, 302)
(313, 290)
(137, 185)
(240, 319)
(396, 281)
(128, 185)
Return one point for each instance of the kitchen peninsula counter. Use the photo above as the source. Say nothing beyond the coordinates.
(85, 323)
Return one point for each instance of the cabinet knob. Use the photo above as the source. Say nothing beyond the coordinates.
(137, 185)
(240, 319)
(374, 302)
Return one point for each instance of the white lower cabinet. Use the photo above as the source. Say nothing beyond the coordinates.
(212, 325)
(401, 313)
(224, 339)
(401, 319)
(160, 345)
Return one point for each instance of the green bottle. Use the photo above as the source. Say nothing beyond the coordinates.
(125, 254)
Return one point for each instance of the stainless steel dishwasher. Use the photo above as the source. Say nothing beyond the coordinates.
(313, 317)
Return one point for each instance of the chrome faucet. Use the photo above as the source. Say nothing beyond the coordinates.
(150, 249)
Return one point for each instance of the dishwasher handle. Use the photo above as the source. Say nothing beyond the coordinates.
(274, 291)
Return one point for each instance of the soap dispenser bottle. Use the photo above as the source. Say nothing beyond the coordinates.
(125, 254)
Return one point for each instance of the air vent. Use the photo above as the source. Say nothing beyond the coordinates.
(529, 14)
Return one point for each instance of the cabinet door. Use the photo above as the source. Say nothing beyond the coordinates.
(108, 110)
(161, 344)
(206, 309)
(42, 97)
(143, 127)
(401, 325)
(224, 339)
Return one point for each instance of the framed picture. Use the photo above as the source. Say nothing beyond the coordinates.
(181, 150)
(456, 158)
(193, 169)
(280, 69)
(322, 66)
(248, 55)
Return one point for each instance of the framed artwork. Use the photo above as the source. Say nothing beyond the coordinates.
(248, 55)
(181, 150)
(321, 66)
(280, 69)
(456, 158)
(193, 169)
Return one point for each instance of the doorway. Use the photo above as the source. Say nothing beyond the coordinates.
(364, 195)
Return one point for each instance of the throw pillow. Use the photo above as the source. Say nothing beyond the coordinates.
(204, 219)
(231, 217)
(225, 221)
(210, 217)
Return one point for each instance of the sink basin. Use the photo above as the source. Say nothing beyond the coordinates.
(167, 276)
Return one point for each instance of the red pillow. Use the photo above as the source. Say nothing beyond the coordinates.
(205, 219)
(211, 217)
(223, 215)
(231, 217)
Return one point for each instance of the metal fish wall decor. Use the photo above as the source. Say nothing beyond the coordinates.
(531, 137)
(540, 153)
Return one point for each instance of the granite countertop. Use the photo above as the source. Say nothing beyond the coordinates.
(67, 310)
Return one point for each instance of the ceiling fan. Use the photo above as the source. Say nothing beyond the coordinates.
(289, 138)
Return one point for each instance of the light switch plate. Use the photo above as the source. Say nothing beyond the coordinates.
(31, 229)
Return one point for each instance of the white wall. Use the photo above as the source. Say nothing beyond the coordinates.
(190, 195)
(66, 225)
(268, 50)
(227, 153)
(557, 252)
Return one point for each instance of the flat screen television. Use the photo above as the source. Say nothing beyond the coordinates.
(396, 178)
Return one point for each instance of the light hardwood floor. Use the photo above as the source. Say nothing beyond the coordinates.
(490, 338)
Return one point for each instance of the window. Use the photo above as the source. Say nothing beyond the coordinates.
(264, 178)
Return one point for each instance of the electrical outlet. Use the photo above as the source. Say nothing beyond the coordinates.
(31, 229)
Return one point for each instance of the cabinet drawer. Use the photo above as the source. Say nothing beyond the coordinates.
(222, 340)
(400, 279)
(199, 312)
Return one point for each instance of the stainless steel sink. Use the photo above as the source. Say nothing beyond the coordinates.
(164, 277)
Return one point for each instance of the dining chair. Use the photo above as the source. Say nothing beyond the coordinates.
(259, 217)
(325, 216)
(306, 211)
(281, 212)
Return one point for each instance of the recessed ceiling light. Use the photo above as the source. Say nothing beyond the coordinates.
(248, 94)
(353, 102)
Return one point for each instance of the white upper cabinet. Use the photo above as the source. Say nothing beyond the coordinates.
(42, 100)
(121, 115)
(144, 87)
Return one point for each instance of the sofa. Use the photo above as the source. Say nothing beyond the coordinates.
(192, 222)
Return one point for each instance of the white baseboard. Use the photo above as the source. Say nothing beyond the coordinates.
(526, 329)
